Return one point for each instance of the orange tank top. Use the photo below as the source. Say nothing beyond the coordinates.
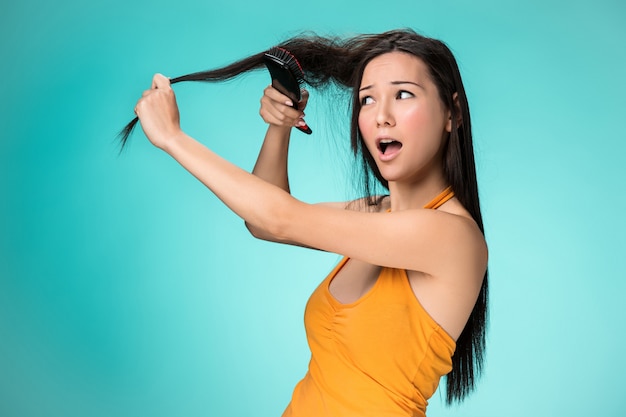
(382, 355)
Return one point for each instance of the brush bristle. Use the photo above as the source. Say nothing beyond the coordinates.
(286, 58)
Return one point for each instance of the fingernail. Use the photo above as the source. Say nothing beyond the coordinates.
(289, 103)
(301, 123)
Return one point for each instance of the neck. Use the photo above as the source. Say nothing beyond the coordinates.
(405, 196)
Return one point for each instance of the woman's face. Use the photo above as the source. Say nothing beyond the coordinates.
(402, 120)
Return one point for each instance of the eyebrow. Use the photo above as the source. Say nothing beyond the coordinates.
(367, 87)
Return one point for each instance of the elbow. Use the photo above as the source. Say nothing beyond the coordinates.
(275, 227)
(277, 219)
(273, 224)
(254, 231)
(258, 232)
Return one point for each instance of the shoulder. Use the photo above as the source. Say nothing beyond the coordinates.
(436, 242)
(459, 238)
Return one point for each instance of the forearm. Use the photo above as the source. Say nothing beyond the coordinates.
(253, 199)
(272, 162)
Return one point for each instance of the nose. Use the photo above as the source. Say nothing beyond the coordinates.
(384, 114)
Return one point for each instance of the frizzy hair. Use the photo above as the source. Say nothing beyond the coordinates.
(317, 55)
(329, 61)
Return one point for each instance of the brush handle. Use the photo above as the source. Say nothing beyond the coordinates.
(293, 91)
(294, 99)
(306, 129)
(285, 80)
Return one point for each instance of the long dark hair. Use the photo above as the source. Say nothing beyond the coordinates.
(458, 166)
(331, 61)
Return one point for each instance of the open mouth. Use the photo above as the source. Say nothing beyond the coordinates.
(389, 146)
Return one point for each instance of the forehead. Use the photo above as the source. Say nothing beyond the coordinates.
(395, 66)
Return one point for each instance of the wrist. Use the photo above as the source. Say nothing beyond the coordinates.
(279, 132)
(171, 141)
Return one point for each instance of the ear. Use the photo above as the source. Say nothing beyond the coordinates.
(457, 110)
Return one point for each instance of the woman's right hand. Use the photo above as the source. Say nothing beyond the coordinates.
(277, 109)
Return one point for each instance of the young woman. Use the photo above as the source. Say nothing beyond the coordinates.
(407, 303)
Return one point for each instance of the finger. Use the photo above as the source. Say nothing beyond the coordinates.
(273, 115)
(278, 106)
(277, 96)
(278, 114)
(137, 108)
(160, 81)
(286, 114)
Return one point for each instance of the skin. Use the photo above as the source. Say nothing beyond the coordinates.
(443, 250)
(400, 102)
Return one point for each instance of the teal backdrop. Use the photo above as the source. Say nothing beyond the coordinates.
(127, 289)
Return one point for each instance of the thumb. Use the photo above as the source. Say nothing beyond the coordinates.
(160, 81)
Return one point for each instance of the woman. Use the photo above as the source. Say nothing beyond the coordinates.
(407, 304)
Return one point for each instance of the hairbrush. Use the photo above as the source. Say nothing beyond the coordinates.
(287, 76)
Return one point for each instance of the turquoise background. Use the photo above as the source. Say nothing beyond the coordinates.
(127, 289)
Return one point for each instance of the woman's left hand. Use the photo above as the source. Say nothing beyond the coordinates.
(158, 112)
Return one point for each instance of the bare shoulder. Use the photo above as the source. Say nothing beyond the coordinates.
(441, 242)
(448, 291)
(455, 208)
(465, 238)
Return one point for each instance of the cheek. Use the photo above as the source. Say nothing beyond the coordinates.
(364, 127)
(416, 117)
(367, 132)
(362, 123)
(426, 123)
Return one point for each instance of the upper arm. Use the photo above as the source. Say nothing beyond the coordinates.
(431, 241)
(361, 204)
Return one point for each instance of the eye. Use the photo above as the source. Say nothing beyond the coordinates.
(365, 100)
(402, 94)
